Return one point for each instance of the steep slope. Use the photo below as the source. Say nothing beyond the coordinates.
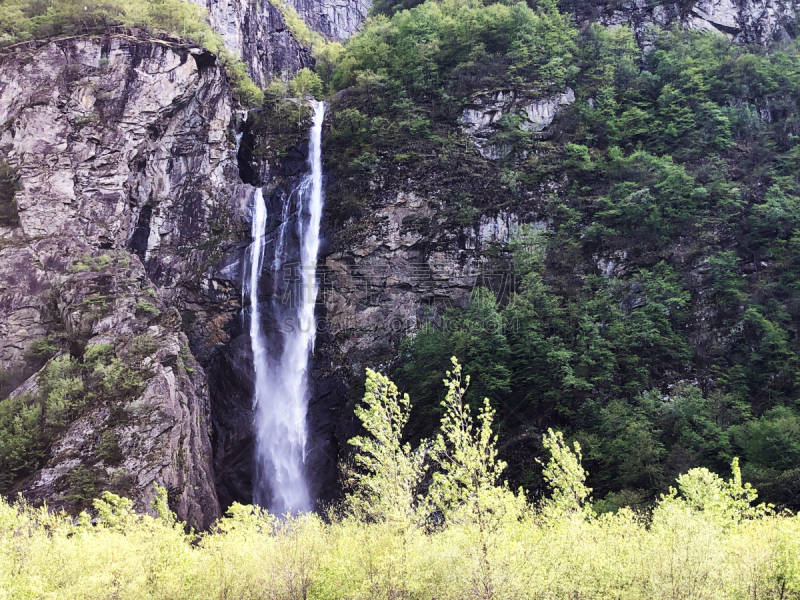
(336, 20)
(256, 31)
(122, 147)
(648, 305)
(745, 21)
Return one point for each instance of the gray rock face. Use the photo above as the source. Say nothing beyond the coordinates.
(255, 30)
(122, 145)
(481, 118)
(377, 291)
(160, 434)
(334, 19)
(745, 21)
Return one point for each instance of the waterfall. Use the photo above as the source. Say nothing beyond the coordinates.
(281, 357)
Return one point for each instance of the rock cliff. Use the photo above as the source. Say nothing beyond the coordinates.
(334, 19)
(124, 153)
(744, 21)
(256, 31)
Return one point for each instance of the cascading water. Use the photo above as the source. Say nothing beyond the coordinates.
(281, 359)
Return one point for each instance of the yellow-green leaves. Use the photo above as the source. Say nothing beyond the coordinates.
(385, 486)
(306, 82)
(467, 483)
(702, 490)
(566, 478)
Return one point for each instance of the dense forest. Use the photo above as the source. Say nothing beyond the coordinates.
(656, 313)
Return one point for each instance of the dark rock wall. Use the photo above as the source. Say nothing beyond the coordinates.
(256, 31)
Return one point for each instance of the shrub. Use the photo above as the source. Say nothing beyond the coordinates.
(9, 215)
(392, 472)
(147, 308)
(306, 82)
(66, 386)
(108, 449)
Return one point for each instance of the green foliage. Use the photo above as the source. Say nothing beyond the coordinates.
(41, 351)
(250, 95)
(81, 486)
(61, 388)
(407, 79)
(390, 472)
(114, 512)
(773, 440)
(467, 482)
(298, 27)
(703, 490)
(456, 45)
(704, 541)
(143, 346)
(327, 57)
(22, 20)
(565, 476)
(88, 263)
(22, 443)
(280, 124)
(108, 448)
(465, 486)
(148, 308)
(29, 422)
(654, 318)
(118, 379)
(9, 215)
(305, 82)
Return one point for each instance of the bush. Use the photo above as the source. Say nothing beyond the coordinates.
(9, 215)
(147, 308)
(66, 387)
(703, 541)
(306, 82)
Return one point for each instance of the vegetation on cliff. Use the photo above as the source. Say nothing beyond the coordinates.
(407, 79)
(72, 375)
(469, 535)
(654, 318)
(9, 216)
(23, 20)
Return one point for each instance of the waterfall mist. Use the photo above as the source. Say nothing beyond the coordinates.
(281, 352)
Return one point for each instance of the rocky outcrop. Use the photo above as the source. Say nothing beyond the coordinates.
(744, 21)
(336, 20)
(122, 144)
(256, 31)
(482, 118)
(413, 262)
(145, 418)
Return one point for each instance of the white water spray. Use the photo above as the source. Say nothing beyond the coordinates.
(281, 374)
